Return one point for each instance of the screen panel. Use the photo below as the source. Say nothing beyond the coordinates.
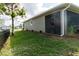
(52, 23)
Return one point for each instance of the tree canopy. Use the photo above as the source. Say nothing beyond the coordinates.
(2, 8)
(13, 10)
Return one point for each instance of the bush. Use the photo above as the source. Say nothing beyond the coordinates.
(71, 30)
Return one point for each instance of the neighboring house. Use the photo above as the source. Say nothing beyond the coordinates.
(57, 20)
(1, 22)
(4, 27)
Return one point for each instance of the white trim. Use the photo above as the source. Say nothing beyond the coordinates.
(62, 22)
(65, 21)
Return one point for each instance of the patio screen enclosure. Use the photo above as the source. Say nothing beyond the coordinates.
(52, 23)
(72, 22)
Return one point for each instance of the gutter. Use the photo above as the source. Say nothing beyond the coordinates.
(67, 7)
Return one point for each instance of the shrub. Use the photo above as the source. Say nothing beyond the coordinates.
(71, 30)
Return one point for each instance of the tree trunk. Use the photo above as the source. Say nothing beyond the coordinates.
(12, 26)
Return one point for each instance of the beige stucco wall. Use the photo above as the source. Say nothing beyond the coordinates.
(37, 24)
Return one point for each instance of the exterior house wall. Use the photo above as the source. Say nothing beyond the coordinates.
(37, 24)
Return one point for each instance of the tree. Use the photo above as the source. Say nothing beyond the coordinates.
(2, 8)
(13, 10)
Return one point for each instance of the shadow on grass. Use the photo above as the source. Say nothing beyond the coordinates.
(35, 44)
(3, 38)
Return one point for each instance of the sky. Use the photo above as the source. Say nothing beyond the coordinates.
(32, 9)
(36, 8)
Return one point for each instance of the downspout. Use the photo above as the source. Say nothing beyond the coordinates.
(63, 19)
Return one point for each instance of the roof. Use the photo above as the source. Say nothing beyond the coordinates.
(72, 7)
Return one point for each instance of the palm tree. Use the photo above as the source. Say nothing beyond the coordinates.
(13, 10)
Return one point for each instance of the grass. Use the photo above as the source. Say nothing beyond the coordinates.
(34, 44)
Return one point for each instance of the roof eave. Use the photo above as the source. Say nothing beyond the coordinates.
(59, 8)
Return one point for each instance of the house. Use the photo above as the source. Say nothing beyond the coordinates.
(57, 20)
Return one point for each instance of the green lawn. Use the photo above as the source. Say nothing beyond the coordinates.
(34, 44)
